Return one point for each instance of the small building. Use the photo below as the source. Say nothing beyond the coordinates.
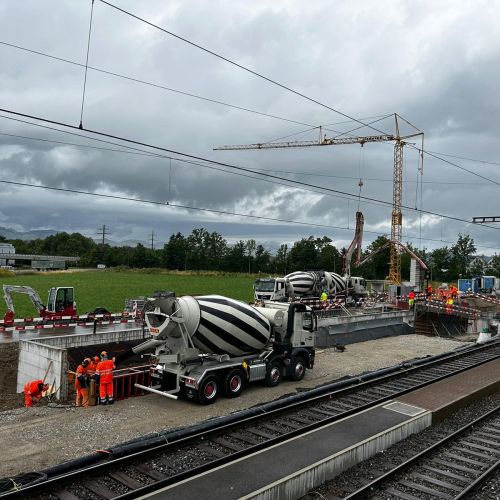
(7, 248)
(48, 265)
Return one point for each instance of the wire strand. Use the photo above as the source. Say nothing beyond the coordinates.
(234, 63)
(195, 157)
(210, 210)
(86, 64)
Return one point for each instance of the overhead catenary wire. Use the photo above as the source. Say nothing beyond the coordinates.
(456, 165)
(202, 209)
(190, 162)
(156, 155)
(157, 85)
(241, 108)
(236, 167)
(238, 65)
(86, 63)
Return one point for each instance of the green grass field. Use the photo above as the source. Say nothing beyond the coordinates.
(110, 288)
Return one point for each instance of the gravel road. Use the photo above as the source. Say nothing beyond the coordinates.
(36, 438)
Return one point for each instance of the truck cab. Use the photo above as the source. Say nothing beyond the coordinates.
(357, 284)
(270, 289)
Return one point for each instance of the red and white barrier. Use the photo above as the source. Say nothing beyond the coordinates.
(85, 320)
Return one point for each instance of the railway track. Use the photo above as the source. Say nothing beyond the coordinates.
(450, 469)
(148, 470)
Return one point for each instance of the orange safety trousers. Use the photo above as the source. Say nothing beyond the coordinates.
(106, 391)
(28, 399)
(82, 397)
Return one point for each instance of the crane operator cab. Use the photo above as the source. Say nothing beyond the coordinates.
(61, 300)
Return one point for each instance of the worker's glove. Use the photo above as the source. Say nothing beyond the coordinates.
(82, 379)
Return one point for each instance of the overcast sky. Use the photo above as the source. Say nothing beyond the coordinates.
(435, 63)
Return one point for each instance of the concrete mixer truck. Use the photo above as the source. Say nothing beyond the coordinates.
(210, 345)
(307, 284)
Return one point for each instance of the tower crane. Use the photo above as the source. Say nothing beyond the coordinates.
(399, 142)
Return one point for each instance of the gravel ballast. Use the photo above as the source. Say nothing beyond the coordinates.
(366, 471)
(40, 437)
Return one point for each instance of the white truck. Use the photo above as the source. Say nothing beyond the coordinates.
(210, 345)
(307, 284)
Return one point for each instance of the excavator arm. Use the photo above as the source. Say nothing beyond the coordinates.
(30, 292)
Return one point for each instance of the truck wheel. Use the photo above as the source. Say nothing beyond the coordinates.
(233, 383)
(297, 368)
(208, 390)
(273, 374)
(99, 310)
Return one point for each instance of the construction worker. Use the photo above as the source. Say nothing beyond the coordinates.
(33, 392)
(82, 384)
(428, 293)
(323, 298)
(411, 299)
(91, 368)
(449, 305)
(105, 372)
(92, 371)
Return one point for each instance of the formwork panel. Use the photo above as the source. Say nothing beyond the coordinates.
(35, 359)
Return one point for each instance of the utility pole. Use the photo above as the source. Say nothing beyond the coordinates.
(153, 240)
(103, 232)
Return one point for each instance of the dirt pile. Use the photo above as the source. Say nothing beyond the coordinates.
(8, 376)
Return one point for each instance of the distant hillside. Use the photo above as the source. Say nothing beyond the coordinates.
(12, 234)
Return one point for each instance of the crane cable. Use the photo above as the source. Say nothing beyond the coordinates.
(361, 169)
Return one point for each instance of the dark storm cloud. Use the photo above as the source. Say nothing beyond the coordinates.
(436, 64)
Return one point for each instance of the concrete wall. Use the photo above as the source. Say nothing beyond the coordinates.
(34, 359)
(36, 355)
(359, 328)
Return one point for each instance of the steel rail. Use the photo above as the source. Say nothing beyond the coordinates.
(373, 487)
(103, 467)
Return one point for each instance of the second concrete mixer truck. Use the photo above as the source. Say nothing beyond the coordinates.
(210, 345)
(308, 284)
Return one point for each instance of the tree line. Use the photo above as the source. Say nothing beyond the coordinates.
(209, 251)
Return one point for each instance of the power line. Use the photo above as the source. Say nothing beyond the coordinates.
(86, 63)
(209, 210)
(161, 157)
(465, 158)
(156, 85)
(291, 172)
(234, 63)
(299, 183)
(241, 108)
(455, 165)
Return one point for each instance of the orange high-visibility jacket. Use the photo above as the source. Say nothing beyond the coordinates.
(105, 371)
(79, 372)
(31, 388)
(91, 368)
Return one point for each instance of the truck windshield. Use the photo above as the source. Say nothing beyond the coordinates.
(307, 321)
(264, 285)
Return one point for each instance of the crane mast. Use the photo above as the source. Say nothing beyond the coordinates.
(399, 143)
